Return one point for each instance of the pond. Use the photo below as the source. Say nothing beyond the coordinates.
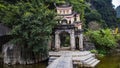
(39, 65)
(111, 61)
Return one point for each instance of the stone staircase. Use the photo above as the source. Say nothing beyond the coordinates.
(81, 58)
(91, 62)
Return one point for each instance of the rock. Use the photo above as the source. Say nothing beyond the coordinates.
(15, 54)
(89, 46)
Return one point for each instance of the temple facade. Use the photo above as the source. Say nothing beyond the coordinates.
(67, 34)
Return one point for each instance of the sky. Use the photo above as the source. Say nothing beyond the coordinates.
(116, 2)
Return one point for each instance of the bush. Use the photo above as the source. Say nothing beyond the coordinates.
(101, 55)
(94, 51)
(103, 39)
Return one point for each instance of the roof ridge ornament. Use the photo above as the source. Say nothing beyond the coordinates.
(62, 4)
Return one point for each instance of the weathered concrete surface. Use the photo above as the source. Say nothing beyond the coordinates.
(64, 61)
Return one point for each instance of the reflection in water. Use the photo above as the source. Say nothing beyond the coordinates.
(110, 62)
(106, 62)
(39, 65)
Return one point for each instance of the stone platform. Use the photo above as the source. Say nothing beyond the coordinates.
(81, 58)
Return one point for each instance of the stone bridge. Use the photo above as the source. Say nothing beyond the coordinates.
(66, 59)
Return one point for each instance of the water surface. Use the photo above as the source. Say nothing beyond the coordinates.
(110, 61)
(39, 65)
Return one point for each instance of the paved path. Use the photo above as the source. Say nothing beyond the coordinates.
(65, 61)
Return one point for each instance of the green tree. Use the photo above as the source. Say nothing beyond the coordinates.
(31, 23)
(79, 6)
(93, 15)
(103, 39)
(105, 8)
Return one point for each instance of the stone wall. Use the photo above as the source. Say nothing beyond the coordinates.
(15, 54)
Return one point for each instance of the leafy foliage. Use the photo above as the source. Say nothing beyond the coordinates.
(31, 23)
(103, 39)
(105, 8)
(79, 6)
(93, 15)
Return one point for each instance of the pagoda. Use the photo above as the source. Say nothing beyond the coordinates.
(68, 23)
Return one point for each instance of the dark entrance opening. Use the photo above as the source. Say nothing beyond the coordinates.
(77, 43)
(64, 40)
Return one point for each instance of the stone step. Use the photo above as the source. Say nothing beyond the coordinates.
(81, 59)
(90, 56)
(51, 59)
(73, 53)
(90, 59)
(95, 63)
(84, 58)
(80, 54)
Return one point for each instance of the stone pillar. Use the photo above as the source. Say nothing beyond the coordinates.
(57, 41)
(81, 42)
(72, 40)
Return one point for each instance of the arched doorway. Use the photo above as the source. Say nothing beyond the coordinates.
(64, 40)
